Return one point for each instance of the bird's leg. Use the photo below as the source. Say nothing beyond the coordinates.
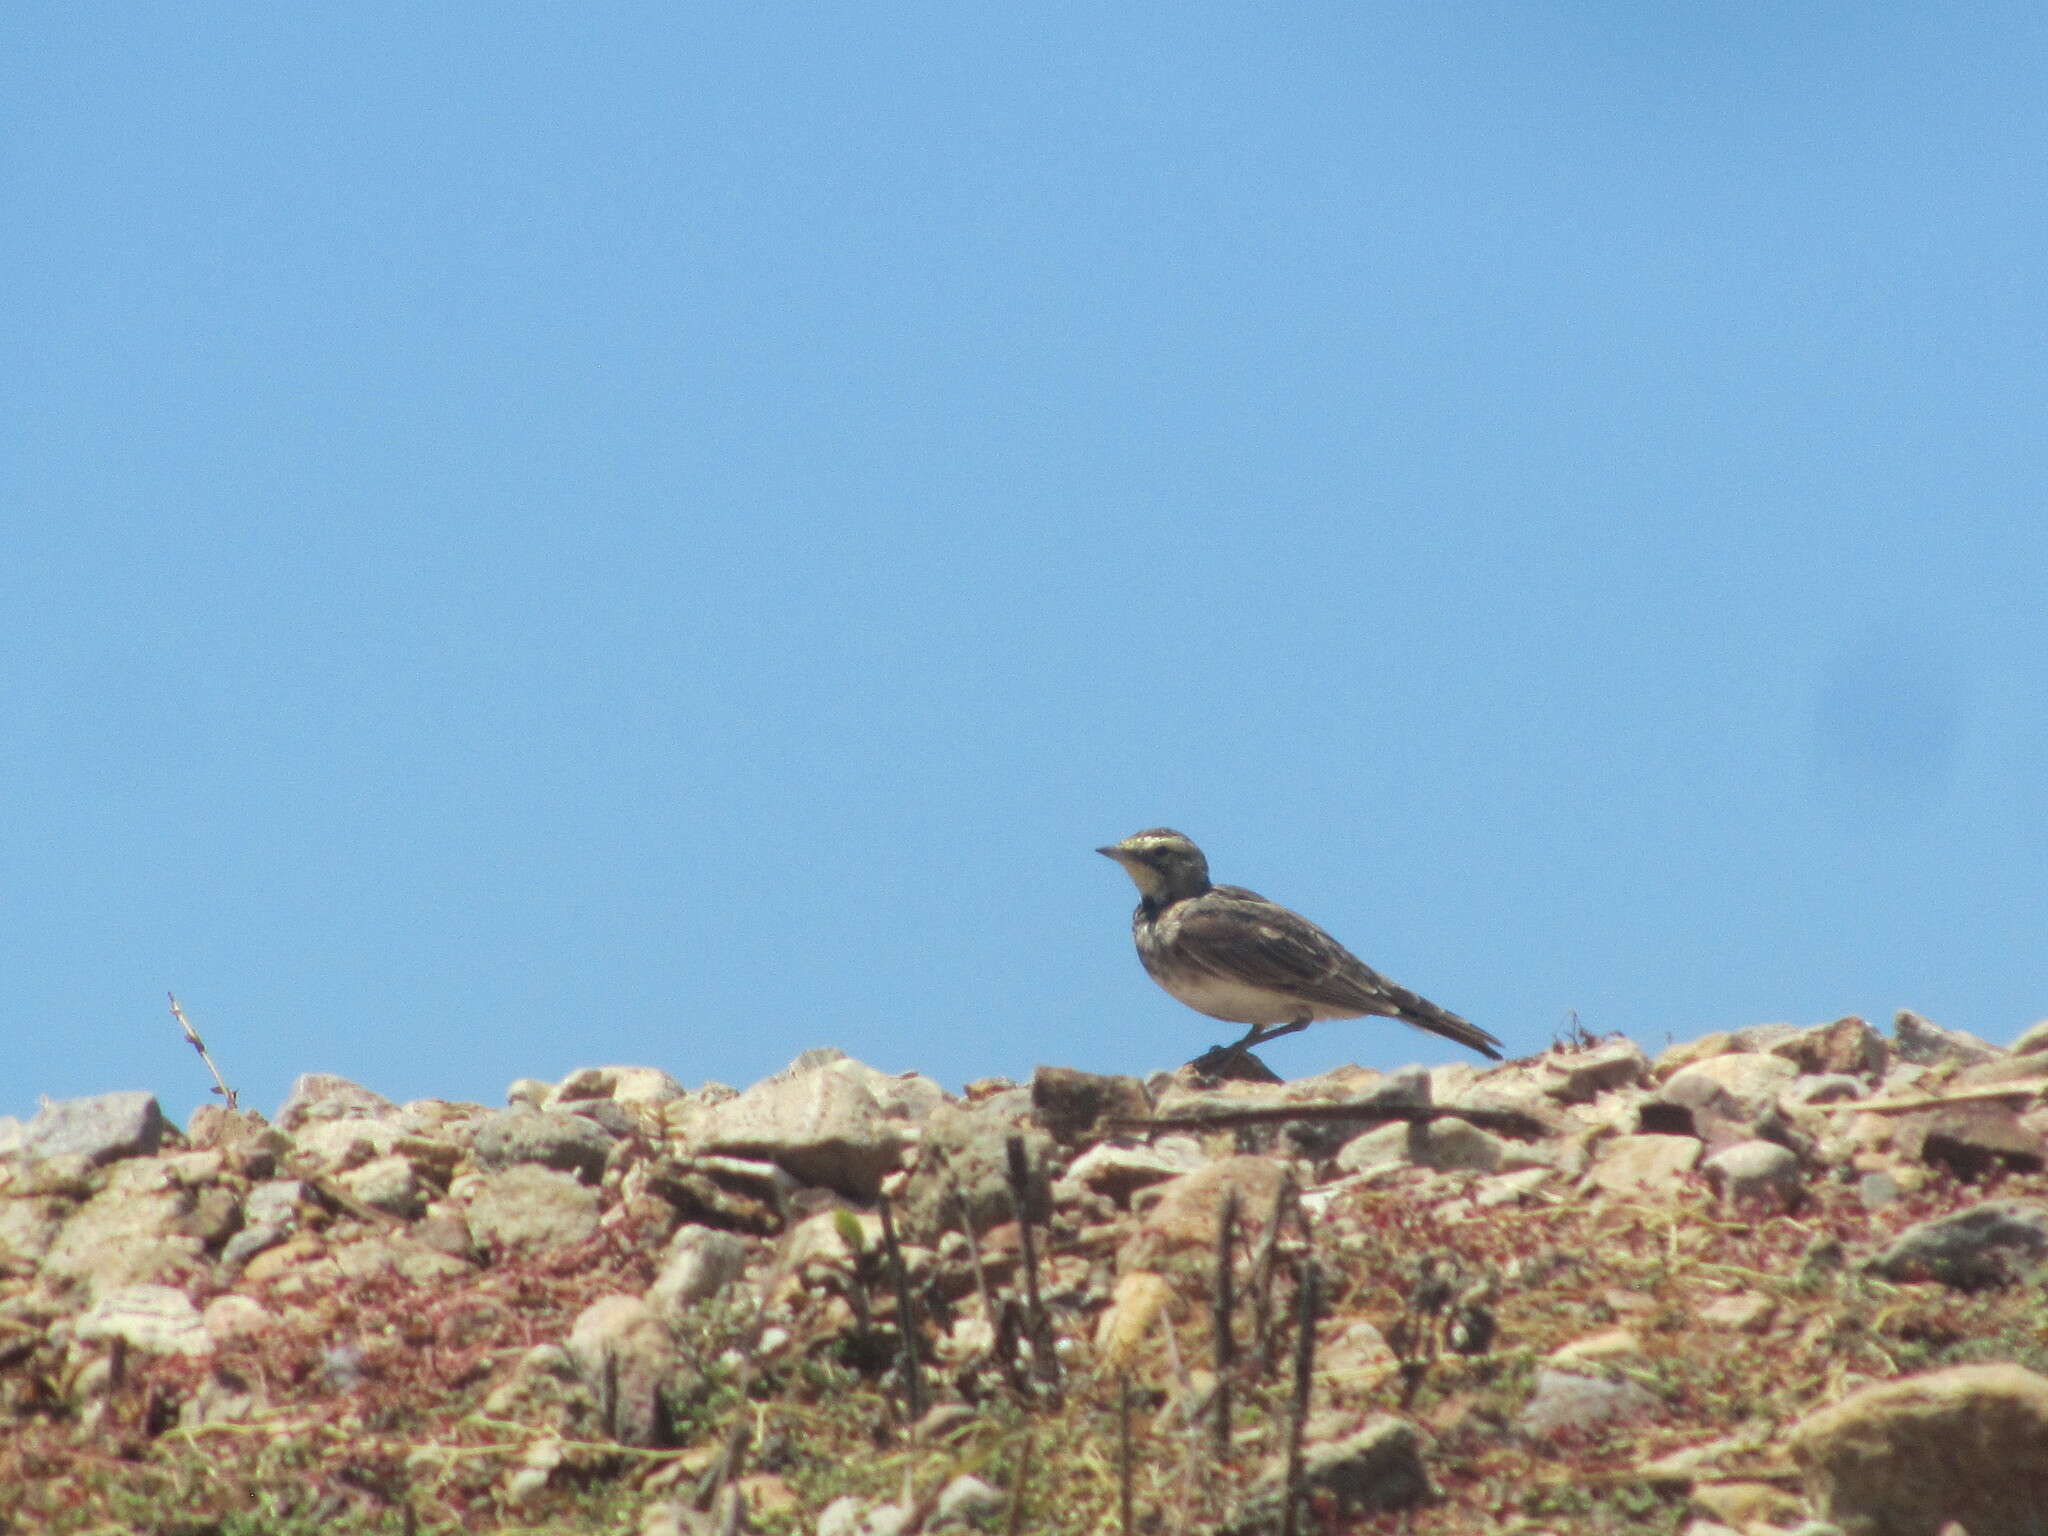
(1259, 1034)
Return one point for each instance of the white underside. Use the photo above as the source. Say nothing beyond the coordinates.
(1235, 1003)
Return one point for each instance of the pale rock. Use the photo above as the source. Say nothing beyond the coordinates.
(1140, 1299)
(822, 1239)
(29, 1224)
(101, 1129)
(1566, 1401)
(528, 1206)
(967, 1500)
(558, 1139)
(159, 1319)
(393, 1253)
(621, 1085)
(1644, 1165)
(1683, 1053)
(1813, 1090)
(235, 1316)
(1189, 1209)
(624, 1353)
(1755, 1171)
(1747, 1505)
(1118, 1172)
(2033, 1041)
(1738, 1087)
(1514, 1188)
(545, 1388)
(822, 1126)
(1746, 1312)
(323, 1096)
(386, 1184)
(1968, 1444)
(333, 1146)
(1578, 1077)
(698, 1264)
(135, 1230)
(1611, 1346)
(1847, 1046)
(530, 1092)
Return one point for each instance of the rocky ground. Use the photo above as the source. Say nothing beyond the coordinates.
(1782, 1279)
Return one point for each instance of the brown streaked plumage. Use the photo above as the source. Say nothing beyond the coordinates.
(1232, 954)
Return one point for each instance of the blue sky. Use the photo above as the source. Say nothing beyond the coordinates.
(542, 536)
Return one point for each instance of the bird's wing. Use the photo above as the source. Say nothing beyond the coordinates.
(1238, 934)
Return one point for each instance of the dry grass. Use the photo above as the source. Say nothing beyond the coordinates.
(388, 1435)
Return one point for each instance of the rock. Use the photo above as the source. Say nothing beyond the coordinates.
(1189, 1209)
(1140, 1297)
(528, 1206)
(1747, 1505)
(545, 1389)
(1118, 1172)
(569, 1143)
(1755, 1171)
(2033, 1041)
(1971, 1140)
(824, 1128)
(143, 1227)
(1848, 1046)
(234, 1316)
(1578, 1077)
(1515, 1188)
(334, 1146)
(387, 1184)
(1968, 1444)
(1075, 1107)
(964, 1148)
(697, 1265)
(29, 1224)
(848, 1516)
(1743, 1313)
(621, 1085)
(1720, 1098)
(392, 1253)
(323, 1096)
(100, 1129)
(624, 1354)
(1375, 1469)
(1644, 1165)
(1927, 1044)
(728, 1192)
(1566, 1401)
(1611, 1346)
(1991, 1243)
(1822, 1088)
(1449, 1145)
(967, 1500)
(157, 1318)
(251, 1144)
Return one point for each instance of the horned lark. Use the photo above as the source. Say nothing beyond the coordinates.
(1232, 954)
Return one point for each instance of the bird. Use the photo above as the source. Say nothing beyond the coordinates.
(1234, 955)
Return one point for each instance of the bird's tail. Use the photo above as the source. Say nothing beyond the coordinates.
(1411, 1008)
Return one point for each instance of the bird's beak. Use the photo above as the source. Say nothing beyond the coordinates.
(1112, 852)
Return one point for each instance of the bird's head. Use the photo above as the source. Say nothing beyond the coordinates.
(1162, 863)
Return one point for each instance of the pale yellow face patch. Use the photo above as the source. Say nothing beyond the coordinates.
(1147, 879)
